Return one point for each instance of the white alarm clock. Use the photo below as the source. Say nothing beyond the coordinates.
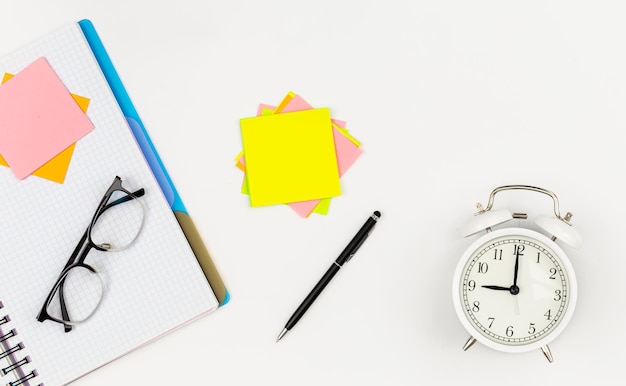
(514, 289)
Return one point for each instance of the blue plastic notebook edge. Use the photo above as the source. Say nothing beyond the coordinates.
(134, 122)
(128, 109)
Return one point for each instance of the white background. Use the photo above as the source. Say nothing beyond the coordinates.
(449, 99)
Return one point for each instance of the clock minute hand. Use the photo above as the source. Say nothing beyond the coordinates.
(514, 288)
(515, 270)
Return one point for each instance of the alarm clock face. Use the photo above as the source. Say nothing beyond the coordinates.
(514, 290)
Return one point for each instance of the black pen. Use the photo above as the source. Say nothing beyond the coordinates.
(343, 258)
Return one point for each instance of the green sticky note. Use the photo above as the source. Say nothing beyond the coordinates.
(322, 206)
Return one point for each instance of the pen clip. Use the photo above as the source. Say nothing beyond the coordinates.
(356, 247)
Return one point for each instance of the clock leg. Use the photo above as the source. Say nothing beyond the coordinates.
(469, 343)
(546, 351)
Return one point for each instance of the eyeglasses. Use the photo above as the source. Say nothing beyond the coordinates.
(79, 290)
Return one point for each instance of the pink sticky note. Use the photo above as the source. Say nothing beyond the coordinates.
(262, 107)
(38, 118)
(297, 103)
(347, 152)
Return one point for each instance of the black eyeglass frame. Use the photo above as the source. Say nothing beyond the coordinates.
(85, 245)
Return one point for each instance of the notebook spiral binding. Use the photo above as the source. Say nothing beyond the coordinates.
(10, 353)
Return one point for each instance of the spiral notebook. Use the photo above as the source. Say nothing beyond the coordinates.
(163, 281)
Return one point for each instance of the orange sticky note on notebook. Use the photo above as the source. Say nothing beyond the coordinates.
(38, 118)
(290, 157)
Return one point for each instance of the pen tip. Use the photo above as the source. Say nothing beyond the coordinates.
(377, 214)
(282, 333)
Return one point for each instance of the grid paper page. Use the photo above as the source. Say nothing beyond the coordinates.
(151, 288)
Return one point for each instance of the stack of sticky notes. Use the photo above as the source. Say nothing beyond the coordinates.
(294, 154)
(40, 121)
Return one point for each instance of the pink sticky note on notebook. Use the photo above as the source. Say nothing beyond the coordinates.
(38, 118)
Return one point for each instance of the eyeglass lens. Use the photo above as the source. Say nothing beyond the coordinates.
(119, 222)
(81, 290)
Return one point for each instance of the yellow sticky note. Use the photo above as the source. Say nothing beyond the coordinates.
(290, 157)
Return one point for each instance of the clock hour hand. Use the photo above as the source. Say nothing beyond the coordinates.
(497, 287)
(514, 290)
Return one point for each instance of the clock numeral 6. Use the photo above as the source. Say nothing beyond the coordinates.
(509, 331)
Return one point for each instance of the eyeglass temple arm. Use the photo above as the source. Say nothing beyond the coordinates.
(64, 313)
(137, 193)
